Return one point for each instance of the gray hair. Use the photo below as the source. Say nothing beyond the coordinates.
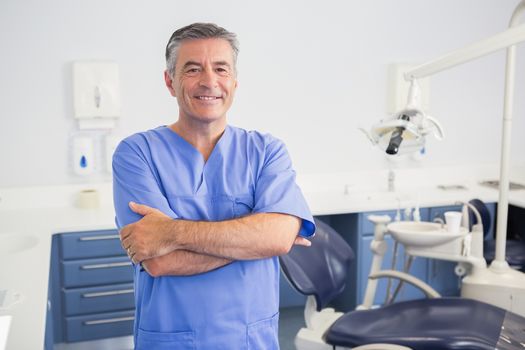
(198, 31)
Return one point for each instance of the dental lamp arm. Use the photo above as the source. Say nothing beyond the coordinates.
(507, 38)
(414, 95)
(413, 104)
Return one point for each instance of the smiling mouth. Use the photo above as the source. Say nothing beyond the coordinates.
(207, 98)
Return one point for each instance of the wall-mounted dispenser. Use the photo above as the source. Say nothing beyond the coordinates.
(96, 94)
(83, 155)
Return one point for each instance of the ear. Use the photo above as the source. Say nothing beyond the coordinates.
(169, 83)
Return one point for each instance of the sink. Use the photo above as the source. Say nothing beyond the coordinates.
(11, 243)
(422, 234)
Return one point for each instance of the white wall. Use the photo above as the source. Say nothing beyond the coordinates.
(310, 73)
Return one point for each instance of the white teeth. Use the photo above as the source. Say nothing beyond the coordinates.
(207, 98)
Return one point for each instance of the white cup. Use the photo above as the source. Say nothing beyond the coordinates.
(453, 220)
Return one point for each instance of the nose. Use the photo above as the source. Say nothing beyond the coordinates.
(208, 79)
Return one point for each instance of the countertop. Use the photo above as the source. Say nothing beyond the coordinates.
(339, 193)
(43, 211)
(27, 272)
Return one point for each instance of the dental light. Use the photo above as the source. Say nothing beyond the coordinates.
(405, 132)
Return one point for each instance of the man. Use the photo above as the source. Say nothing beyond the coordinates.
(204, 210)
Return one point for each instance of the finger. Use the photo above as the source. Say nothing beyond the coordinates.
(132, 255)
(141, 209)
(302, 241)
(136, 258)
(126, 243)
(125, 231)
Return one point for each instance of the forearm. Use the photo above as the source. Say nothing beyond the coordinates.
(251, 237)
(182, 263)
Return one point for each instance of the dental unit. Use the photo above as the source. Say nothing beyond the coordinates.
(498, 283)
(491, 312)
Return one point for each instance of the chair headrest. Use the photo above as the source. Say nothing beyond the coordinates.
(321, 269)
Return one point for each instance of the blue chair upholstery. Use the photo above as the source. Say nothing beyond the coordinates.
(514, 250)
(326, 273)
(442, 323)
(430, 324)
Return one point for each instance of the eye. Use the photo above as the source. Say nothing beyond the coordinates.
(192, 71)
(222, 71)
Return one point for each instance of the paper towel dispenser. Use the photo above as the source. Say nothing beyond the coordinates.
(96, 94)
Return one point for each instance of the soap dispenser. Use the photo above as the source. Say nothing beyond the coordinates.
(83, 155)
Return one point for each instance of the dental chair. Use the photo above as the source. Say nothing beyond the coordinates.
(320, 272)
(515, 249)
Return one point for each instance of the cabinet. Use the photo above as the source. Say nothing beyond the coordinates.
(91, 287)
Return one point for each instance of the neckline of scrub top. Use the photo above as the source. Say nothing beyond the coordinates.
(196, 158)
(185, 144)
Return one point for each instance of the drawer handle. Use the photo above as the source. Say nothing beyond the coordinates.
(98, 238)
(106, 294)
(105, 266)
(109, 320)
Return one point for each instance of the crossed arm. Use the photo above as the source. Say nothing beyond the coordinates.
(181, 247)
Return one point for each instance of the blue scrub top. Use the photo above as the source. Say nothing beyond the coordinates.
(232, 307)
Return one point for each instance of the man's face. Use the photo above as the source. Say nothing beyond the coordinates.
(205, 79)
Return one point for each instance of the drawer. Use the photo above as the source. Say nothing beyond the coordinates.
(115, 297)
(91, 272)
(98, 326)
(367, 226)
(90, 244)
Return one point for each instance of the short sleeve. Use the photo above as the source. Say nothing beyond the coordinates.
(134, 180)
(276, 190)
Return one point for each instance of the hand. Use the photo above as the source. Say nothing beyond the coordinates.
(149, 237)
(302, 241)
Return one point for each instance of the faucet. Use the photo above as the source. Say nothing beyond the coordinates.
(439, 221)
